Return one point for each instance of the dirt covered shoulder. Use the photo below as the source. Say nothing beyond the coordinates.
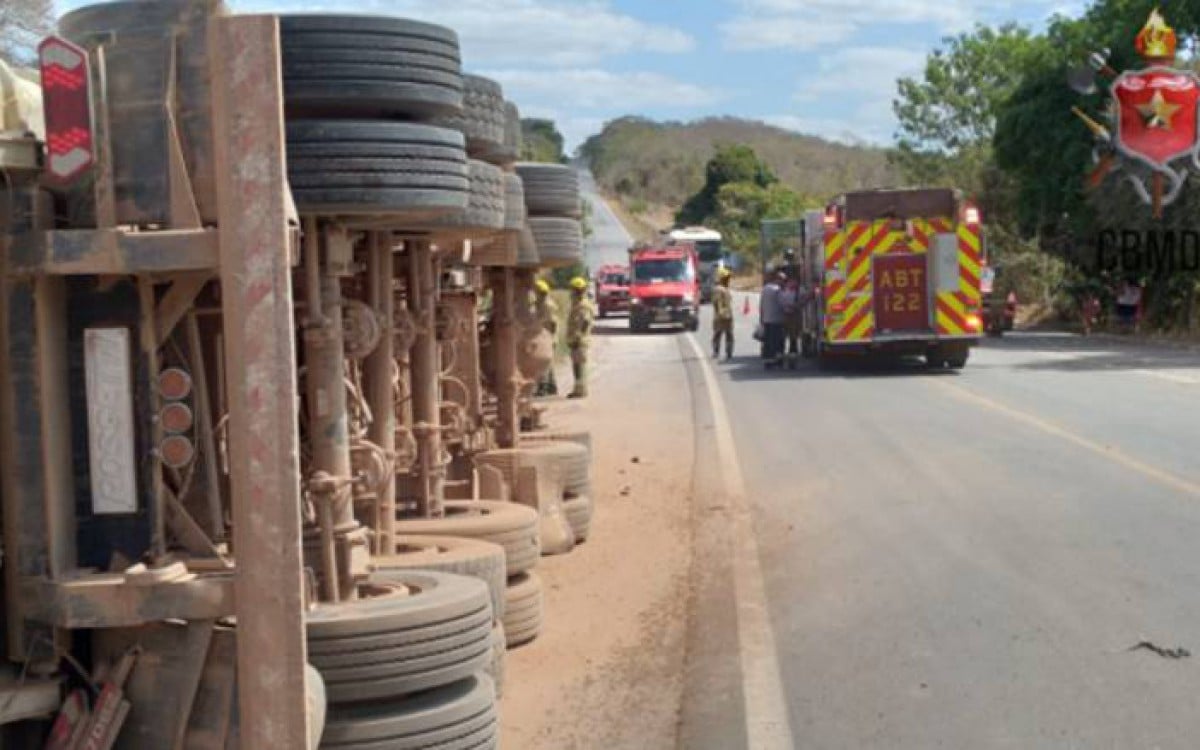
(607, 670)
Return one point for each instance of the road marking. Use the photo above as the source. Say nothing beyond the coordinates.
(1163, 477)
(1169, 377)
(767, 725)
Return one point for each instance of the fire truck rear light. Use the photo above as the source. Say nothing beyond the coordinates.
(974, 322)
(108, 376)
(971, 215)
(838, 307)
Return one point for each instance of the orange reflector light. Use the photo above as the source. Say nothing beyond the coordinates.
(174, 384)
(176, 417)
(176, 451)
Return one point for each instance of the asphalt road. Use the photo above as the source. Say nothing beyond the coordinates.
(965, 559)
(609, 242)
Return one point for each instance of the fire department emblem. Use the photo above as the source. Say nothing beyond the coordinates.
(1152, 135)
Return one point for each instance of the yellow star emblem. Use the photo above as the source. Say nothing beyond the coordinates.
(1158, 112)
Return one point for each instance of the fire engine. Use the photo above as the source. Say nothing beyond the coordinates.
(894, 271)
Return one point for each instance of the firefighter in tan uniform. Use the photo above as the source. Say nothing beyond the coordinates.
(547, 314)
(722, 304)
(579, 334)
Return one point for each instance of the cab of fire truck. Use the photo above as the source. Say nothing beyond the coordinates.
(664, 287)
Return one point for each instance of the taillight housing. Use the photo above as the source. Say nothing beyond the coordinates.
(67, 105)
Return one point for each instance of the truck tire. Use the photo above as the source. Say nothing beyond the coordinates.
(463, 556)
(578, 512)
(957, 359)
(514, 203)
(419, 630)
(559, 241)
(369, 66)
(483, 118)
(461, 715)
(551, 189)
(510, 525)
(527, 250)
(376, 168)
(486, 209)
(495, 670)
(510, 149)
(524, 612)
(316, 705)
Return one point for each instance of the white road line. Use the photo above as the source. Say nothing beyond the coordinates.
(767, 725)
(1169, 377)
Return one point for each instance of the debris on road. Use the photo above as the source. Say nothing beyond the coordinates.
(1166, 653)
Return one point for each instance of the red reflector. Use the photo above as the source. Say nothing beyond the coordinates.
(838, 307)
(66, 102)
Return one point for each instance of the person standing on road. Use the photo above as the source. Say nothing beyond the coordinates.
(579, 333)
(722, 304)
(547, 314)
(772, 316)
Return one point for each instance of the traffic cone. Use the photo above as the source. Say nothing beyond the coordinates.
(746, 306)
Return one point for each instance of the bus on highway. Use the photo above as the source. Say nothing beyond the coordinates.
(709, 251)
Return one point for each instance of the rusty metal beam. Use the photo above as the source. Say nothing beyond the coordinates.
(177, 301)
(259, 339)
(35, 428)
(424, 368)
(379, 369)
(108, 600)
(114, 252)
(504, 349)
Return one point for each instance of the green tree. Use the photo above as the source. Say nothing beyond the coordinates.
(730, 164)
(947, 116)
(742, 206)
(541, 141)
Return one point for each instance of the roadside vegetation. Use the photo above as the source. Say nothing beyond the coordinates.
(991, 114)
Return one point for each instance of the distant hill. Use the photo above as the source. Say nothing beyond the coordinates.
(662, 163)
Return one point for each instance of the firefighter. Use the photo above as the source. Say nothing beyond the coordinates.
(547, 315)
(579, 332)
(722, 303)
(772, 316)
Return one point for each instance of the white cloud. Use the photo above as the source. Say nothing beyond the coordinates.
(506, 32)
(862, 73)
(860, 80)
(809, 24)
(595, 88)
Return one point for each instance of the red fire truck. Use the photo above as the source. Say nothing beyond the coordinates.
(897, 271)
(664, 287)
(612, 289)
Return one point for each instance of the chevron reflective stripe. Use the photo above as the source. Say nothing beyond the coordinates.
(858, 320)
(951, 316)
(835, 251)
(970, 254)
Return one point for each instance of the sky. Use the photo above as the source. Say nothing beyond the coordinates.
(822, 67)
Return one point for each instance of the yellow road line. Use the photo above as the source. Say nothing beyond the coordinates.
(1115, 455)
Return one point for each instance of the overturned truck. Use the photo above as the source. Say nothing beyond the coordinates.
(266, 357)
